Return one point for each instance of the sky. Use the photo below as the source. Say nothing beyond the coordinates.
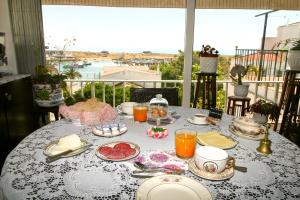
(157, 30)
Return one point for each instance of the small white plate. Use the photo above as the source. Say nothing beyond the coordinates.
(172, 187)
(100, 133)
(47, 149)
(190, 120)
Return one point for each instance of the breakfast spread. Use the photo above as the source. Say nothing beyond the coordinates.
(213, 138)
(66, 143)
(90, 112)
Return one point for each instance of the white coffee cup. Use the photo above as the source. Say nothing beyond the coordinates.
(126, 107)
(211, 159)
(199, 119)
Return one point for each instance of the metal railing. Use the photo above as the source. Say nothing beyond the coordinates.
(274, 63)
(268, 90)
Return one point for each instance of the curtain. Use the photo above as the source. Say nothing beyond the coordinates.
(28, 35)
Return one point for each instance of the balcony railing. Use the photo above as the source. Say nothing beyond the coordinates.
(273, 63)
(269, 90)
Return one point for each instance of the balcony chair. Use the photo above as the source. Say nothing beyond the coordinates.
(141, 95)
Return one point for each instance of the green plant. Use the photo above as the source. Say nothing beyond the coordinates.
(208, 51)
(296, 45)
(42, 94)
(290, 43)
(44, 76)
(267, 108)
(237, 73)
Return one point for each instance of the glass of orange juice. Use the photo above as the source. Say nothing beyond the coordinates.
(185, 143)
(140, 112)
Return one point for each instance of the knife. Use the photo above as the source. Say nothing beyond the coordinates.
(240, 168)
(166, 171)
(55, 157)
(148, 174)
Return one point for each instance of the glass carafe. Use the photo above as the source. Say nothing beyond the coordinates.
(158, 108)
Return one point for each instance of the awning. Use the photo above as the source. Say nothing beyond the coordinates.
(200, 4)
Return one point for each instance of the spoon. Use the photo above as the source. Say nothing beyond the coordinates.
(143, 168)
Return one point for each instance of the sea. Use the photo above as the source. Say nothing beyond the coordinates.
(93, 70)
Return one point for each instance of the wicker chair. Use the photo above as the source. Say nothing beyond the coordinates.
(141, 95)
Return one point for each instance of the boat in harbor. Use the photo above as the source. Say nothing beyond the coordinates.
(73, 66)
(85, 63)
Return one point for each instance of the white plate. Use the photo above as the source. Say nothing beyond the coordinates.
(190, 120)
(172, 187)
(228, 147)
(48, 147)
(95, 131)
(112, 144)
(250, 137)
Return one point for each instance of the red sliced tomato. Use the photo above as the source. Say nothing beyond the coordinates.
(105, 150)
(122, 145)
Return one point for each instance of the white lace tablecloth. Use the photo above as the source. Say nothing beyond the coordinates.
(26, 175)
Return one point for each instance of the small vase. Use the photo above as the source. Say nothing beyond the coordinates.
(55, 95)
(260, 118)
(294, 59)
(241, 90)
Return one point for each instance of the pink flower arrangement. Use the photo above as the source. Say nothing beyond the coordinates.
(157, 132)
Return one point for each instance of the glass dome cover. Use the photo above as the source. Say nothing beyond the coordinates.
(158, 106)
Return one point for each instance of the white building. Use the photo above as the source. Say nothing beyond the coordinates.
(289, 31)
(131, 73)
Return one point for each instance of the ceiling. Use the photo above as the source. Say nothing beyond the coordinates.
(200, 4)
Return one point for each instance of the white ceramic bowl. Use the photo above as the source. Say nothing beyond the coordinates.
(211, 159)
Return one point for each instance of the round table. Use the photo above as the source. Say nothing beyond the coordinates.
(25, 173)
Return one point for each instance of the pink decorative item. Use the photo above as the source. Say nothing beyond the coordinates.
(91, 112)
(157, 132)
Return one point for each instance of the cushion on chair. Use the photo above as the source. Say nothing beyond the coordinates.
(142, 95)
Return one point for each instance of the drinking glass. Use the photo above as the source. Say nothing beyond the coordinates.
(185, 143)
(140, 112)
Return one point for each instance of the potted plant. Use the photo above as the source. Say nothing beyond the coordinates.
(236, 74)
(47, 86)
(263, 110)
(209, 59)
(294, 56)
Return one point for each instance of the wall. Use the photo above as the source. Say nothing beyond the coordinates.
(5, 26)
(288, 31)
(131, 75)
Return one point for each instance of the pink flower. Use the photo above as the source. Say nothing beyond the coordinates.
(156, 135)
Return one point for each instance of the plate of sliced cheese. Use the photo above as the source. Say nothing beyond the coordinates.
(216, 139)
(65, 143)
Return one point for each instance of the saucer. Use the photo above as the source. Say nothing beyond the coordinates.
(190, 120)
(224, 175)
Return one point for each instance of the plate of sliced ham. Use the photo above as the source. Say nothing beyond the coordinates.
(118, 151)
